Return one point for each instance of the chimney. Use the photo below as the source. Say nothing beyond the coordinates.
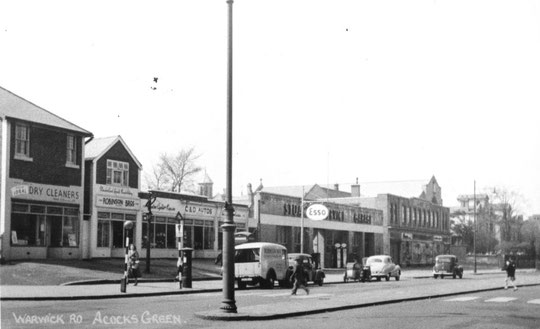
(355, 189)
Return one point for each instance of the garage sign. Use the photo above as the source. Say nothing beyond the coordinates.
(317, 212)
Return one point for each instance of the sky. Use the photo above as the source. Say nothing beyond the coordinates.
(324, 92)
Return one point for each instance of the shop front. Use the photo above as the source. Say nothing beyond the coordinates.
(44, 221)
(113, 206)
(201, 220)
(418, 248)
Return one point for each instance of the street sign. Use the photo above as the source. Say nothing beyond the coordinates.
(179, 230)
(317, 212)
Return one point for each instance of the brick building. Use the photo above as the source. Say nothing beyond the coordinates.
(41, 182)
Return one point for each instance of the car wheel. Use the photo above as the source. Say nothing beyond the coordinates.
(387, 278)
(320, 282)
(241, 284)
(345, 279)
(397, 276)
(435, 276)
(460, 275)
(270, 282)
(442, 276)
(378, 278)
(454, 276)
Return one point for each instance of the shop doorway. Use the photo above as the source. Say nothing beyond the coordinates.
(54, 236)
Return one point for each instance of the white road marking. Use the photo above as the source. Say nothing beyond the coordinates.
(282, 294)
(461, 299)
(312, 296)
(534, 301)
(500, 300)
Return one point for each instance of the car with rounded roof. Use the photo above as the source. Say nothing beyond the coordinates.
(313, 272)
(447, 265)
(382, 266)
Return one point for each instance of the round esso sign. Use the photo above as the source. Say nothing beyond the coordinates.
(317, 212)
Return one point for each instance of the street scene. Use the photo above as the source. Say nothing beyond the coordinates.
(233, 163)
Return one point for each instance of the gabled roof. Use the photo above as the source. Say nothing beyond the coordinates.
(294, 191)
(308, 191)
(16, 107)
(408, 189)
(97, 147)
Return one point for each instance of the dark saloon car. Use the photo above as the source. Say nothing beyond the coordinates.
(447, 265)
(314, 274)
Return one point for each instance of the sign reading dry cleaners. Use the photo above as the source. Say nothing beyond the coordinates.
(42, 192)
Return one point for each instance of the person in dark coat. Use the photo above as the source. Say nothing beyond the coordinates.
(510, 274)
(133, 263)
(299, 277)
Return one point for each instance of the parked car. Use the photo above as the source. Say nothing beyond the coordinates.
(382, 266)
(447, 265)
(314, 274)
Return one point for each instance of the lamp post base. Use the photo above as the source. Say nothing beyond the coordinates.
(229, 306)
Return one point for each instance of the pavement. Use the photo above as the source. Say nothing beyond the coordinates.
(211, 282)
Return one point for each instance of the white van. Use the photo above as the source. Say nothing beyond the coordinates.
(261, 262)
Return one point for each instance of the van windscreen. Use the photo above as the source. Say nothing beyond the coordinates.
(247, 255)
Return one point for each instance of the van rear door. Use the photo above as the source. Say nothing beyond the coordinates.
(247, 263)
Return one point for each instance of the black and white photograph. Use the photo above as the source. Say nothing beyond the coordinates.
(270, 164)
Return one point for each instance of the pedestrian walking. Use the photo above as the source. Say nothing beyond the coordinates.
(299, 277)
(510, 274)
(133, 264)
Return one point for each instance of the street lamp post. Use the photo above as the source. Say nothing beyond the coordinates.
(228, 303)
(475, 226)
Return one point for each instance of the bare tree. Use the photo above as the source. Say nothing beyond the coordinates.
(157, 180)
(506, 207)
(175, 172)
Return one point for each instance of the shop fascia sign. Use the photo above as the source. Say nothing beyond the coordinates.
(42, 192)
(165, 207)
(406, 236)
(117, 197)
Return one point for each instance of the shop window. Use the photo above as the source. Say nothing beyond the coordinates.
(22, 141)
(103, 236)
(209, 238)
(171, 236)
(27, 230)
(188, 241)
(281, 235)
(117, 173)
(198, 237)
(71, 151)
(161, 236)
(70, 232)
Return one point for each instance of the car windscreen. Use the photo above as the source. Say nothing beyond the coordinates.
(247, 255)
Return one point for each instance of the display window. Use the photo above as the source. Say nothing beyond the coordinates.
(111, 233)
(44, 225)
